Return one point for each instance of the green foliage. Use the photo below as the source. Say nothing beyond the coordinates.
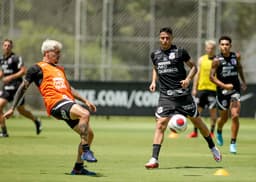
(239, 18)
(30, 41)
(35, 20)
(91, 54)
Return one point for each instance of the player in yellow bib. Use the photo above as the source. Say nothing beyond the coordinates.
(203, 89)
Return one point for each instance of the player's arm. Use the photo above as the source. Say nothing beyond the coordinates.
(241, 72)
(214, 79)
(190, 75)
(152, 86)
(196, 78)
(1, 74)
(17, 98)
(33, 74)
(77, 96)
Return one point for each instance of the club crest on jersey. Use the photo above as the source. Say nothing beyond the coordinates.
(9, 61)
(224, 103)
(172, 55)
(159, 109)
(233, 61)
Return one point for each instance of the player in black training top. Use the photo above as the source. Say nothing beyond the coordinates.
(225, 72)
(175, 94)
(11, 72)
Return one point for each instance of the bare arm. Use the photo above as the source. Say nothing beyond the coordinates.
(215, 80)
(18, 96)
(241, 73)
(196, 78)
(1, 74)
(190, 75)
(152, 86)
(77, 96)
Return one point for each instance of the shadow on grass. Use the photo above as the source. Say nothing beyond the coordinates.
(191, 167)
(97, 175)
(30, 137)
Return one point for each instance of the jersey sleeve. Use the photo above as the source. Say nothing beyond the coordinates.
(34, 74)
(152, 56)
(185, 56)
(18, 61)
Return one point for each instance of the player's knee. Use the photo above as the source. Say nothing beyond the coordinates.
(235, 116)
(161, 126)
(86, 115)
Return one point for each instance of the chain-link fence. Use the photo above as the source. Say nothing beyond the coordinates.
(111, 40)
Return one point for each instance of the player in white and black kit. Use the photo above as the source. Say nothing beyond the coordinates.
(175, 94)
(225, 72)
(11, 71)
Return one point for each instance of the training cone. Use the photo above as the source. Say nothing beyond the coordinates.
(221, 172)
(173, 135)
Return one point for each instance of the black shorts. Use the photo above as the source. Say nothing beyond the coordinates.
(184, 105)
(9, 96)
(61, 111)
(223, 101)
(206, 99)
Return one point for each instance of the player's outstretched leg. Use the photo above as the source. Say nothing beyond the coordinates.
(206, 134)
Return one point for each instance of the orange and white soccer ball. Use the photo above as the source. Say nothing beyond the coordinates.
(178, 123)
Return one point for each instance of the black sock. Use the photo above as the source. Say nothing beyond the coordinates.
(156, 150)
(233, 140)
(78, 166)
(209, 141)
(37, 123)
(85, 147)
(195, 130)
(219, 131)
(4, 129)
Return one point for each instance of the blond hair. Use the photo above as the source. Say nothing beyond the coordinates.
(210, 42)
(49, 45)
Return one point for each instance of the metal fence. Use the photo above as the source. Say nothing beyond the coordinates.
(111, 40)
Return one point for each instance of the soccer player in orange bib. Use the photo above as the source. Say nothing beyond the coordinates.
(59, 98)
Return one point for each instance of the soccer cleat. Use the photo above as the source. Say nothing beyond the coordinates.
(219, 139)
(216, 154)
(39, 127)
(88, 156)
(192, 135)
(82, 172)
(152, 163)
(4, 135)
(232, 148)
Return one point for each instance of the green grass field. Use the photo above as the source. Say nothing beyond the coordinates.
(122, 145)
